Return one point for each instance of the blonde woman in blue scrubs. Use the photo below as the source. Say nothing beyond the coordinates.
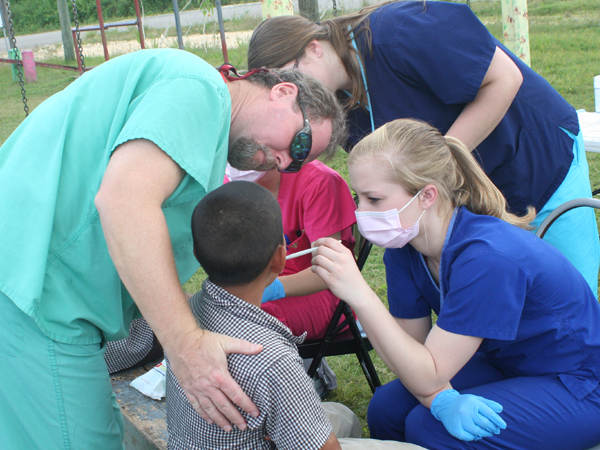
(513, 361)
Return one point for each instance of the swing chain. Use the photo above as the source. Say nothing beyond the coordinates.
(78, 34)
(335, 11)
(17, 56)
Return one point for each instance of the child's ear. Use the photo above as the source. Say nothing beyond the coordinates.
(278, 260)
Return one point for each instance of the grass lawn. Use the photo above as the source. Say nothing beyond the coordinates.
(565, 38)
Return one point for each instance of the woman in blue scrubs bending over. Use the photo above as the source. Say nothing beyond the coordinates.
(437, 62)
(513, 361)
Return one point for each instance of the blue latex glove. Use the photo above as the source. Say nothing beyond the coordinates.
(467, 417)
(274, 291)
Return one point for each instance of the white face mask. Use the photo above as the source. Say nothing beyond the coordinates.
(243, 175)
(384, 228)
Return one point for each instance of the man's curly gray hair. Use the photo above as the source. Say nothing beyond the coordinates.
(319, 103)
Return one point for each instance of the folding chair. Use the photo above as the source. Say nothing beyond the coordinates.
(337, 342)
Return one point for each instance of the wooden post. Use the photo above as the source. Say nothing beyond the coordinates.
(15, 54)
(65, 29)
(29, 65)
(309, 9)
(272, 8)
(4, 14)
(4, 24)
(515, 27)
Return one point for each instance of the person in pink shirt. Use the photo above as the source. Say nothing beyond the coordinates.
(315, 202)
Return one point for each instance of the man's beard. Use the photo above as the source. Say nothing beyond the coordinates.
(242, 155)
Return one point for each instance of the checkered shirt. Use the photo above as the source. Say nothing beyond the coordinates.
(128, 352)
(275, 379)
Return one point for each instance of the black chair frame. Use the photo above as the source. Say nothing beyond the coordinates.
(335, 343)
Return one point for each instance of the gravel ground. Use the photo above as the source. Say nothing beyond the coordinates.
(115, 48)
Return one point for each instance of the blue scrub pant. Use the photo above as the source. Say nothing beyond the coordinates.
(540, 413)
(575, 233)
(53, 395)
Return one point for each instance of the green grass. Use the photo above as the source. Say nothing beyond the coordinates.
(49, 82)
(564, 41)
(564, 36)
(11, 109)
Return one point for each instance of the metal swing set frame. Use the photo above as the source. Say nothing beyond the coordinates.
(76, 31)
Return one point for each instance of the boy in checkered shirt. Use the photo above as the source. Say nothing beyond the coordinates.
(238, 240)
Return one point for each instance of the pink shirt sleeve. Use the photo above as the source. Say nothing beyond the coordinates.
(315, 203)
(328, 207)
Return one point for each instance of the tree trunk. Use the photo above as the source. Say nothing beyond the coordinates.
(309, 9)
(515, 28)
(65, 28)
(4, 14)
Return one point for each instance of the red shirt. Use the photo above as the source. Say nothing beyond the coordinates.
(315, 202)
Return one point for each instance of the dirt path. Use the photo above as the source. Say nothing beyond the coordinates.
(115, 48)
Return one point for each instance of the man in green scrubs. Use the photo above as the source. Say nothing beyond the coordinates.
(97, 187)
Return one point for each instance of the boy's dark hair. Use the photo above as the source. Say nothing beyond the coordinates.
(236, 230)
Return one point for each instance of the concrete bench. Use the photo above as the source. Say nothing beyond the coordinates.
(145, 419)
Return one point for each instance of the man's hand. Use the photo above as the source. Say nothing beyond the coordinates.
(200, 365)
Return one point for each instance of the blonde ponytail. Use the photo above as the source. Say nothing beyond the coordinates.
(416, 154)
(478, 193)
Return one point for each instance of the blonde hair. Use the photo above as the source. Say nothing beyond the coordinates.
(279, 40)
(417, 155)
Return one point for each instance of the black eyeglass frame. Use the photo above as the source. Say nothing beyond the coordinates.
(301, 144)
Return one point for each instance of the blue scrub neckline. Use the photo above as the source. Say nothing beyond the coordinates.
(446, 239)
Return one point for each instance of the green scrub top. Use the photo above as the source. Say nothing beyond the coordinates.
(54, 261)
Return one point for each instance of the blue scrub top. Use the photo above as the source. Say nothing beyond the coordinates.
(535, 312)
(428, 62)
